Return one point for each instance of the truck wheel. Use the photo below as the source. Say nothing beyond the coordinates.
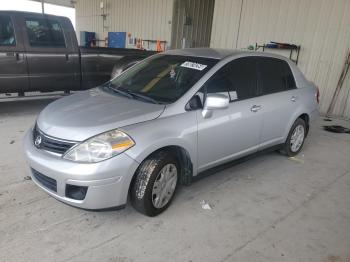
(295, 139)
(155, 183)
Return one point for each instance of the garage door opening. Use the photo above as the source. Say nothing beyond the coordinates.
(192, 23)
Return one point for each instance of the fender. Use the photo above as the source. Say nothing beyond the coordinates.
(297, 113)
(150, 136)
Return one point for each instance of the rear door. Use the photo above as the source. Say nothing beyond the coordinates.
(235, 131)
(279, 98)
(13, 65)
(53, 63)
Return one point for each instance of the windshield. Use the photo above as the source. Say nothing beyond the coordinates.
(162, 78)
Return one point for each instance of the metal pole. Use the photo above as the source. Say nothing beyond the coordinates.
(42, 6)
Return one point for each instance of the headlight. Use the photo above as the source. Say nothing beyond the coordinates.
(100, 147)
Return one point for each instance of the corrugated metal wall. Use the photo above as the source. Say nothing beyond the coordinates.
(321, 27)
(197, 30)
(149, 19)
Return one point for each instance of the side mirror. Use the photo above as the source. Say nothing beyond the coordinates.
(214, 102)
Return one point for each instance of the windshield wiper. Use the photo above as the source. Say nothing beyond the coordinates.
(119, 91)
(131, 94)
(138, 95)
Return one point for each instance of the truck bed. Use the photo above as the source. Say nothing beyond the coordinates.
(97, 63)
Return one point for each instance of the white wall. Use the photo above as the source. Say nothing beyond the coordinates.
(321, 27)
(146, 19)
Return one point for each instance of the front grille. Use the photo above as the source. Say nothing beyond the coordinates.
(45, 181)
(50, 144)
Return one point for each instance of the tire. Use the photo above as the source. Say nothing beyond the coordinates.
(151, 193)
(288, 148)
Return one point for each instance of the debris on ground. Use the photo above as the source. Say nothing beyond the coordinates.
(293, 158)
(327, 120)
(12, 142)
(27, 178)
(205, 205)
(337, 129)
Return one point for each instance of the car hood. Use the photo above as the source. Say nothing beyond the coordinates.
(86, 114)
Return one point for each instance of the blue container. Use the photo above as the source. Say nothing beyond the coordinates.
(86, 38)
(116, 39)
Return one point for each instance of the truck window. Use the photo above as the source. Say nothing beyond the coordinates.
(7, 34)
(44, 33)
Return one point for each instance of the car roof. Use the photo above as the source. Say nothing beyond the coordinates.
(218, 53)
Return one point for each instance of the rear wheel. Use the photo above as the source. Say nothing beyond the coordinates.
(155, 183)
(296, 138)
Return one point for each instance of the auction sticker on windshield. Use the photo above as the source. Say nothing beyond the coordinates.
(193, 65)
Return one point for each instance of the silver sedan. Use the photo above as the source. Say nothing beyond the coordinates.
(164, 121)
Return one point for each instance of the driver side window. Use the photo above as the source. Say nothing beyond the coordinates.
(7, 34)
(218, 83)
(237, 79)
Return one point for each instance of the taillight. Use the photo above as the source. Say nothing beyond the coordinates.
(317, 95)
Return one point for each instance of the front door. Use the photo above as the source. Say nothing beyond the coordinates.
(13, 64)
(53, 63)
(233, 132)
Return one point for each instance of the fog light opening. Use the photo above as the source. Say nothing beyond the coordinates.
(76, 192)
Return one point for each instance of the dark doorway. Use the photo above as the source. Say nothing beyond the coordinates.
(192, 23)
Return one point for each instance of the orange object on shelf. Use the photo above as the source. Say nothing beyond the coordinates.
(139, 43)
(159, 46)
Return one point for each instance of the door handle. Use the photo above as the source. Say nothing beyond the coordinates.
(255, 108)
(15, 54)
(294, 98)
(67, 57)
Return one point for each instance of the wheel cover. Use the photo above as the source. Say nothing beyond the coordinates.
(164, 186)
(297, 138)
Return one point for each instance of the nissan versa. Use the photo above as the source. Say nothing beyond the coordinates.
(163, 121)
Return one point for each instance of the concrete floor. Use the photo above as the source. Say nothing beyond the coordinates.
(269, 208)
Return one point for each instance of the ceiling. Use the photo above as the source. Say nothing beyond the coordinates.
(68, 3)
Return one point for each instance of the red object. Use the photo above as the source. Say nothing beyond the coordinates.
(158, 46)
(318, 96)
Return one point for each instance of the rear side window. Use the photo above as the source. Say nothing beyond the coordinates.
(275, 76)
(237, 79)
(44, 32)
(7, 33)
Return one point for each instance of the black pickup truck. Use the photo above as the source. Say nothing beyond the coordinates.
(41, 53)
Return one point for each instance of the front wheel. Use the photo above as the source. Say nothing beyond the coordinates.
(295, 139)
(155, 184)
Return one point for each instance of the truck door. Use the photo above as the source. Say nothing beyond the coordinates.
(53, 61)
(13, 65)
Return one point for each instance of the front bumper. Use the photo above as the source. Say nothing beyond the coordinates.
(107, 182)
